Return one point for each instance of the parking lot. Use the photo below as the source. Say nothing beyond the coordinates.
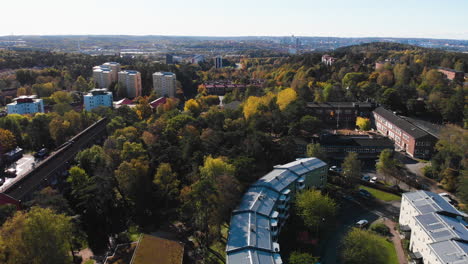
(22, 166)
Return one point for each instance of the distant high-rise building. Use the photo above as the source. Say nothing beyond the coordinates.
(131, 80)
(96, 98)
(197, 59)
(106, 73)
(169, 59)
(26, 105)
(164, 83)
(218, 62)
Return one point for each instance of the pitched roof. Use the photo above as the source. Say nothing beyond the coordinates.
(401, 123)
(441, 227)
(451, 251)
(249, 230)
(428, 202)
(153, 249)
(252, 256)
(258, 199)
(158, 102)
(124, 101)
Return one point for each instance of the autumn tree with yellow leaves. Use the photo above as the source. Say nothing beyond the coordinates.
(285, 97)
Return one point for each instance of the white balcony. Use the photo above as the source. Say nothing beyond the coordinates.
(284, 198)
(300, 183)
(274, 215)
(276, 247)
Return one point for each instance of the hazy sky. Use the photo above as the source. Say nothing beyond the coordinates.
(340, 18)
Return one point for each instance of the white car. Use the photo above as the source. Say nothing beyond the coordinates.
(373, 180)
(362, 223)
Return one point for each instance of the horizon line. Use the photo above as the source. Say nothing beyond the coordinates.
(224, 36)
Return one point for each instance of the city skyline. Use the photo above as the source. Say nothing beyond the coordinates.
(402, 19)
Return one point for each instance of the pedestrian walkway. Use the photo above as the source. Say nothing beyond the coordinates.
(396, 241)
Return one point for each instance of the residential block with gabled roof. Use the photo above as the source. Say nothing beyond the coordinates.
(407, 136)
(439, 234)
(264, 208)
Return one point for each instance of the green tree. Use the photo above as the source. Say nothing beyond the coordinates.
(133, 150)
(59, 130)
(402, 74)
(38, 131)
(51, 198)
(39, 236)
(352, 169)
(310, 124)
(7, 141)
(302, 258)
(91, 159)
(364, 247)
(62, 97)
(80, 84)
(132, 177)
(387, 164)
(315, 209)
(121, 91)
(462, 189)
(315, 150)
(166, 182)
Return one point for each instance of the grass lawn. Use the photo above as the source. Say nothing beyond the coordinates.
(393, 258)
(381, 195)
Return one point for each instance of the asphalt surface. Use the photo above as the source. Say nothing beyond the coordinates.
(350, 213)
(22, 166)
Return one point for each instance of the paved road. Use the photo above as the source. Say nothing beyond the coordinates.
(350, 213)
(22, 166)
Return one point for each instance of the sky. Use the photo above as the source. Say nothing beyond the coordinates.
(336, 18)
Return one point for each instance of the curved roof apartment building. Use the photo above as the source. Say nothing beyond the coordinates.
(264, 208)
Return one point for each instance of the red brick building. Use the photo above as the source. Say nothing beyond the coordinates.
(451, 74)
(406, 136)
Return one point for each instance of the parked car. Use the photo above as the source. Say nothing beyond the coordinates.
(365, 178)
(373, 180)
(365, 193)
(2, 181)
(41, 153)
(11, 173)
(362, 223)
(335, 169)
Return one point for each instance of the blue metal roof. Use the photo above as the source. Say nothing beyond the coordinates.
(451, 251)
(441, 227)
(249, 230)
(252, 256)
(428, 202)
(258, 199)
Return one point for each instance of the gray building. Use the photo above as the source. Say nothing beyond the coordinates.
(264, 209)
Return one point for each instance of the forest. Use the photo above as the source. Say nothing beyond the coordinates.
(189, 161)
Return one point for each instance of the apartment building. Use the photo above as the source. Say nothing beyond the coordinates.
(340, 114)
(452, 74)
(264, 209)
(96, 98)
(218, 62)
(106, 73)
(131, 81)
(26, 105)
(407, 136)
(164, 84)
(438, 233)
(328, 60)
